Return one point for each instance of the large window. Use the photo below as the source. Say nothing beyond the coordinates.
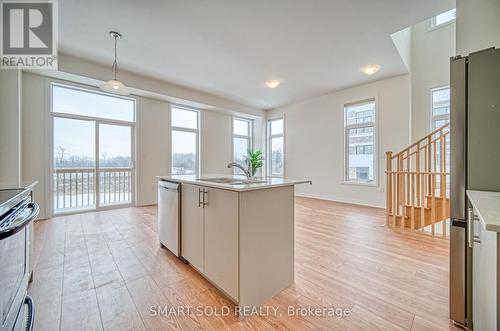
(359, 128)
(185, 141)
(275, 147)
(440, 106)
(242, 141)
(92, 149)
(440, 115)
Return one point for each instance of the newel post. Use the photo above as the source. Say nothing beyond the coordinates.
(388, 188)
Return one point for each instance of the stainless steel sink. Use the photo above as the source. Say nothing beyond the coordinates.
(233, 181)
(222, 180)
(249, 181)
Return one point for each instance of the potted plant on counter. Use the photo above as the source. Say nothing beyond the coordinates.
(254, 160)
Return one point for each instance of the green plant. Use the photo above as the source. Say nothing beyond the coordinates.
(255, 160)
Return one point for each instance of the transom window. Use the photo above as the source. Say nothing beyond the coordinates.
(242, 141)
(276, 147)
(359, 132)
(443, 18)
(185, 140)
(82, 102)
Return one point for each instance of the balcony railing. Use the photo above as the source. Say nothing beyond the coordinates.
(75, 188)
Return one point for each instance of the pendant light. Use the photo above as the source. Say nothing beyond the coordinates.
(114, 85)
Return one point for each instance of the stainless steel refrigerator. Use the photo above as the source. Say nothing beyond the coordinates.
(474, 161)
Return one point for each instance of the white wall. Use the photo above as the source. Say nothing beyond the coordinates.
(402, 41)
(153, 147)
(35, 138)
(314, 138)
(147, 86)
(10, 126)
(478, 25)
(430, 68)
(216, 143)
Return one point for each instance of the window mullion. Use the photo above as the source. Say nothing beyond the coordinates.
(360, 125)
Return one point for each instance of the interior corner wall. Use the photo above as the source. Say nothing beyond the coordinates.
(314, 139)
(10, 126)
(478, 25)
(430, 68)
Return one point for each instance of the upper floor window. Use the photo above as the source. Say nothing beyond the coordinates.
(443, 18)
(242, 140)
(276, 147)
(440, 103)
(185, 141)
(359, 132)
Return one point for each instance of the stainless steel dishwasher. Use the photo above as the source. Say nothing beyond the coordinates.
(169, 215)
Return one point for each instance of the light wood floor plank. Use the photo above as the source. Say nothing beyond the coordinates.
(105, 270)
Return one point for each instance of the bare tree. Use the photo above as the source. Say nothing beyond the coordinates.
(61, 153)
(104, 158)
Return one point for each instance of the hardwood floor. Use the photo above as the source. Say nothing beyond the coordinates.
(106, 270)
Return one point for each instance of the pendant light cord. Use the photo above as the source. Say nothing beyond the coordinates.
(115, 63)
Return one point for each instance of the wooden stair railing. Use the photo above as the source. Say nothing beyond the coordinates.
(417, 180)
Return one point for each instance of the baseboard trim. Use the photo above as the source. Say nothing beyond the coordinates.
(334, 199)
(147, 204)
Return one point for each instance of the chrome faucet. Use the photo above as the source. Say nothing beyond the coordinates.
(246, 171)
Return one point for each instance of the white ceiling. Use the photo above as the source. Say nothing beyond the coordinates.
(231, 47)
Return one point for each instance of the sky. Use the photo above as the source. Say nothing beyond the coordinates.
(77, 137)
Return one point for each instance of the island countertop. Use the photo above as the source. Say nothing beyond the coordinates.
(259, 184)
(487, 205)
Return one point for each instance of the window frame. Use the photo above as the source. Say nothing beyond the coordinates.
(50, 115)
(432, 21)
(346, 128)
(433, 117)
(269, 138)
(190, 130)
(248, 137)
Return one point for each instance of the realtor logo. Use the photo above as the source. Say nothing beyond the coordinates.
(29, 34)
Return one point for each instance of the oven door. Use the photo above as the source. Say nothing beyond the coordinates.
(14, 273)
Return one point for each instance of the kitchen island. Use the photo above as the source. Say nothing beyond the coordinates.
(239, 234)
(484, 239)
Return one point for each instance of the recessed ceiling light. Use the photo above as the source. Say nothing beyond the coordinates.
(371, 69)
(272, 83)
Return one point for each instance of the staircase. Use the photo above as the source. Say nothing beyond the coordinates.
(417, 185)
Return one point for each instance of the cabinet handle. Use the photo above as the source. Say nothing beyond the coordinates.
(205, 203)
(200, 203)
(470, 226)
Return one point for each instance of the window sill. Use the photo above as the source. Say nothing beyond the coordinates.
(374, 184)
(442, 25)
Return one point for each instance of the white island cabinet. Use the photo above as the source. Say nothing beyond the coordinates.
(209, 232)
(239, 236)
(485, 241)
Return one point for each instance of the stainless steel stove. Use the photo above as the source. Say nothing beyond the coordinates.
(17, 211)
